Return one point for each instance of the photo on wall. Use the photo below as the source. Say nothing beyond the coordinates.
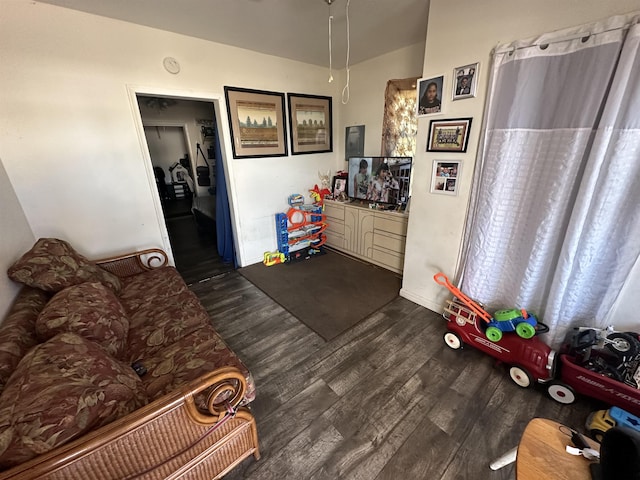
(354, 141)
(430, 95)
(465, 81)
(445, 177)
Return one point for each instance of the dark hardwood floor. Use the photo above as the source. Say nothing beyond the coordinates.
(194, 250)
(385, 400)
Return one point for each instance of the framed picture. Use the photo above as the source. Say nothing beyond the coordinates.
(310, 124)
(445, 177)
(449, 135)
(465, 81)
(339, 186)
(256, 120)
(354, 141)
(430, 95)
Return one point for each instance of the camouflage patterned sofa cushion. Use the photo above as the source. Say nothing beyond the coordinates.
(53, 264)
(60, 390)
(90, 310)
(18, 332)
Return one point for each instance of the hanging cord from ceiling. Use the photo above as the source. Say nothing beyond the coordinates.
(345, 90)
(329, 2)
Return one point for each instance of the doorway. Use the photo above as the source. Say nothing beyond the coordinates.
(182, 154)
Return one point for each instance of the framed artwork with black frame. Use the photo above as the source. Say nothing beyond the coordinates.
(450, 135)
(310, 123)
(354, 141)
(257, 122)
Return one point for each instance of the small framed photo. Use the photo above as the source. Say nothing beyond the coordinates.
(430, 95)
(354, 141)
(339, 186)
(310, 124)
(445, 177)
(257, 123)
(465, 81)
(449, 135)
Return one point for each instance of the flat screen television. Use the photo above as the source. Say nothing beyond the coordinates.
(379, 179)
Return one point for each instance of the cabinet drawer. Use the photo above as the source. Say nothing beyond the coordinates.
(334, 211)
(335, 227)
(392, 225)
(389, 241)
(393, 261)
(333, 240)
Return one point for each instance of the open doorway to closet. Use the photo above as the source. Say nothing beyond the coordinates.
(181, 138)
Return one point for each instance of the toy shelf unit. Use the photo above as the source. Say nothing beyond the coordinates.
(300, 232)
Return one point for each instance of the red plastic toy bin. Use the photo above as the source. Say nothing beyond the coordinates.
(598, 386)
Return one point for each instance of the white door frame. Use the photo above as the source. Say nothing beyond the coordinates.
(215, 99)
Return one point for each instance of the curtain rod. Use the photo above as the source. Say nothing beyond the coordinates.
(583, 35)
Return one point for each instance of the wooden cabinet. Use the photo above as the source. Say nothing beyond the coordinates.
(376, 236)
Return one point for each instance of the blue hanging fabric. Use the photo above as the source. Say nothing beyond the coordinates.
(224, 230)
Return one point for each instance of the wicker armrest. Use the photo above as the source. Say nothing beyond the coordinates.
(169, 437)
(134, 263)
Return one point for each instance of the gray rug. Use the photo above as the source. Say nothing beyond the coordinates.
(329, 293)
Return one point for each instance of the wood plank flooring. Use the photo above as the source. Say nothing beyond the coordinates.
(195, 252)
(385, 400)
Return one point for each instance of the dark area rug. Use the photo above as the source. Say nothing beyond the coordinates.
(329, 293)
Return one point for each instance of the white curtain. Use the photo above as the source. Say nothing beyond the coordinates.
(554, 222)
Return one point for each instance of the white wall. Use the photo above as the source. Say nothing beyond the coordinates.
(68, 135)
(458, 36)
(16, 238)
(368, 83)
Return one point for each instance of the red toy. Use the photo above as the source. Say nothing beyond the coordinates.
(532, 360)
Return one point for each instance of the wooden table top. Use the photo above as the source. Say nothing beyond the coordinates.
(542, 454)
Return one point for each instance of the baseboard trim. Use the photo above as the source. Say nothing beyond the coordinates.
(420, 300)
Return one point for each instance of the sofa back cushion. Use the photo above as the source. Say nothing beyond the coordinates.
(61, 390)
(53, 264)
(90, 310)
(18, 330)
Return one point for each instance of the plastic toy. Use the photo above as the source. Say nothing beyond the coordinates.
(318, 194)
(599, 422)
(273, 258)
(295, 200)
(529, 360)
(532, 360)
(511, 320)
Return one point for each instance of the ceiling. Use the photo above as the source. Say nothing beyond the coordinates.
(295, 29)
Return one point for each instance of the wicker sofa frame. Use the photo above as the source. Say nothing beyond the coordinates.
(169, 438)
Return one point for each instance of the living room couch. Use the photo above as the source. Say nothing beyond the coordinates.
(112, 369)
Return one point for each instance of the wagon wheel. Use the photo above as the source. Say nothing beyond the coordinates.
(453, 340)
(525, 330)
(561, 393)
(494, 334)
(596, 434)
(520, 376)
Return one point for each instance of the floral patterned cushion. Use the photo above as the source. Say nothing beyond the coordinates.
(172, 320)
(190, 357)
(159, 285)
(53, 264)
(90, 310)
(61, 390)
(18, 333)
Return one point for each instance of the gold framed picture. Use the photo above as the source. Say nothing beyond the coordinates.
(310, 123)
(257, 123)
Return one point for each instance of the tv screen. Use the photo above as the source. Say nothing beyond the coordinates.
(379, 179)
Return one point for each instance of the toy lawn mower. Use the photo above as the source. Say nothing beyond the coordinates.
(523, 323)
